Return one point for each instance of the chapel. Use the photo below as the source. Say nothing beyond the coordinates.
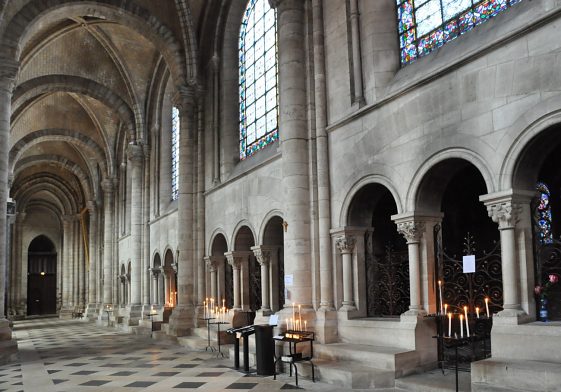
(383, 173)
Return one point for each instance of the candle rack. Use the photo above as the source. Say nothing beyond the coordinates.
(294, 337)
(218, 324)
(208, 346)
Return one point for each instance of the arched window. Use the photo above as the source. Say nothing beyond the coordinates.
(543, 214)
(258, 78)
(174, 153)
(425, 25)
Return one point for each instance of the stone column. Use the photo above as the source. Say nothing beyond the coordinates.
(66, 265)
(236, 263)
(357, 55)
(412, 231)
(108, 186)
(92, 254)
(135, 158)
(263, 256)
(346, 245)
(211, 263)
(8, 72)
(215, 127)
(294, 146)
(20, 307)
(182, 318)
(505, 208)
(146, 232)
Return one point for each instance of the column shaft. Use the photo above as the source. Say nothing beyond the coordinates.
(92, 273)
(135, 157)
(108, 233)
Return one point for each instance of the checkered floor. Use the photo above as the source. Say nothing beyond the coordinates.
(64, 355)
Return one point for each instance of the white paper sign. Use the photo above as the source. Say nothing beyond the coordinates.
(274, 319)
(288, 280)
(469, 264)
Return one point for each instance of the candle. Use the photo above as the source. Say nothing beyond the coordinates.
(477, 311)
(487, 305)
(461, 325)
(440, 291)
(449, 325)
(445, 309)
(293, 316)
(467, 320)
(299, 317)
(305, 325)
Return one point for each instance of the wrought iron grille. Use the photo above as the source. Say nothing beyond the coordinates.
(459, 290)
(254, 284)
(281, 278)
(387, 280)
(229, 285)
(547, 259)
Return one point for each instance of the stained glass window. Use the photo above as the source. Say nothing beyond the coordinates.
(543, 214)
(174, 153)
(258, 78)
(425, 25)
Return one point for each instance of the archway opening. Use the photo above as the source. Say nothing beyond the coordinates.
(250, 270)
(41, 279)
(170, 280)
(538, 170)
(273, 237)
(225, 275)
(158, 297)
(386, 268)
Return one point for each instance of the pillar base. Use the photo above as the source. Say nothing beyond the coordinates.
(413, 313)
(182, 320)
(326, 325)
(132, 315)
(91, 311)
(8, 345)
(512, 317)
(66, 312)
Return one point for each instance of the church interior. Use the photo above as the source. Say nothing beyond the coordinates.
(367, 192)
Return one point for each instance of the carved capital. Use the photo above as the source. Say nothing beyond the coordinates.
(68, 219)
(135, 154)
(345, 244)
(234, 260)
(506, 214)
(155, 272)
(185, 100)
(91, 206)
(8, 72)
(411, 230)
(263, 256)
(108, 185)
(211, 264)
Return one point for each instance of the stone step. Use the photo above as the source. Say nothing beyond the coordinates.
(161, 336)
(434, 381)
(517, 375)
(399, 360)
(349, 375)
(197, 344)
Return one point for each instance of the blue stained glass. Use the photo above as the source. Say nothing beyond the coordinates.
(425, 25)
(258, 78)
(542, 214)
(175, 123)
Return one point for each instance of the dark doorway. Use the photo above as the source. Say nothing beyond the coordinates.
(41, 277)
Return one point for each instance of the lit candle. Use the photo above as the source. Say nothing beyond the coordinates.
(299, 317)
(461, 325)
(477, 311)
(449, 325)
(487, 305)
(305, 325)
(293, 315)
(445, 309)
(467, 320)
(440, 291)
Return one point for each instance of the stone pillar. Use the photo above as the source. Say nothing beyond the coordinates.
(8, 72)
(346, 245)
(263, 256)
(412, 231)
(18, 259)
(505, 208)
(212, 263)
(66, 308)
(146, 292)
(182, 318)
(236, 262)
(92, 254)
(155, 286)
(294, 146)
(108, 186)
(215, 64)
(357, 55)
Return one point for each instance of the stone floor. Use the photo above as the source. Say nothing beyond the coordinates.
(70, 355)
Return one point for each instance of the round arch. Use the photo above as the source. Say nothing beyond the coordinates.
(266, 219)
(240, 226)
(357, 186)
(453, 153)
(214, 236)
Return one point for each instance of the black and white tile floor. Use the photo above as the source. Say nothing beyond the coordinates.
(63, 355)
